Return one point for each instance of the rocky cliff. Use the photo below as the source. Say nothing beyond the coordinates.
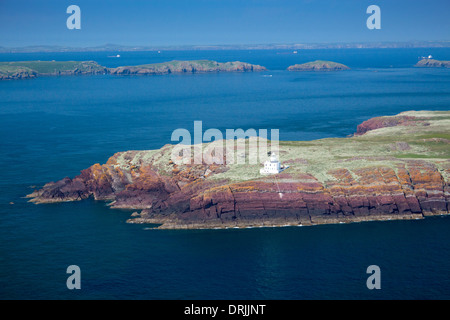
(318, 65)
(394, 168)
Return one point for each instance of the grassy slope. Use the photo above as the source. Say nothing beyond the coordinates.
(176, 63)
(381, 147)
(320, 62)
(428, 139)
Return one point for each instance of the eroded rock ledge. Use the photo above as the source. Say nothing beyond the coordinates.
(395, 168)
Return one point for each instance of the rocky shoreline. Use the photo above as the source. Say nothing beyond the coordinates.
(169, 224)
(393, 168)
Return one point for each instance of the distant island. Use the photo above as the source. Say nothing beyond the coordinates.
(432, 63)
(319, 65)
(394, 167)
(33, 69)
(195, 66)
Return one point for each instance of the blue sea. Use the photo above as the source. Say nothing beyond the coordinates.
(53, 127)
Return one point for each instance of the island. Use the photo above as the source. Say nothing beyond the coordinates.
(195, 66)
(393, 167)
(432, 63)
(33, 69)
(318, 65)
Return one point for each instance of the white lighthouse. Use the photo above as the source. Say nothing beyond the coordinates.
(272, 166)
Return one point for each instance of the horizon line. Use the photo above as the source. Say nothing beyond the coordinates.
(259, 46)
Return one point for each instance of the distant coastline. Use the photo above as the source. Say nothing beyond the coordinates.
(291, 46)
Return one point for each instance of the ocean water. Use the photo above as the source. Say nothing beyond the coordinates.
(52, 127)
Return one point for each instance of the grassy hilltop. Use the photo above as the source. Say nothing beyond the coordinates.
(319, 65)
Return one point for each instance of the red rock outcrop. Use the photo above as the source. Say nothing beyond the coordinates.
(383, 122)
(414, 189)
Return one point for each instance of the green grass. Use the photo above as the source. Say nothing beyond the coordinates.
(376, 148)
(439, 135)
(319, 158)
(417, 156)
(177, 63)
(330, 63)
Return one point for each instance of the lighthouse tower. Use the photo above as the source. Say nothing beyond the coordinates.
(271, 166)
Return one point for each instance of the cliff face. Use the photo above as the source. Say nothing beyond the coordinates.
(319, 65)
(389, 171)
(384, 122)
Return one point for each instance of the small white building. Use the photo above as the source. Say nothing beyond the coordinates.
(272, 166)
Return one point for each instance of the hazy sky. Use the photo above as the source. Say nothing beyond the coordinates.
(202, 22)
